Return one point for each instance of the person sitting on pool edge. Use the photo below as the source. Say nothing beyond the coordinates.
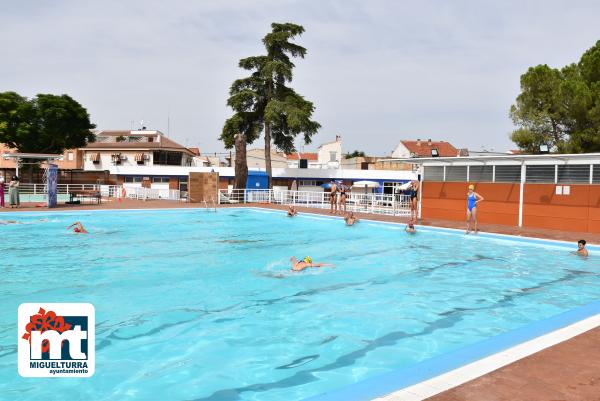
(581, 248)
(292, 211)
(410, 228)
(79, 229)
(350, 219)
(299, 265)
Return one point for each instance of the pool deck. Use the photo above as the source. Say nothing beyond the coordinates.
(568, 371)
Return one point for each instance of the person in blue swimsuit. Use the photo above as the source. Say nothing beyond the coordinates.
(472, 199)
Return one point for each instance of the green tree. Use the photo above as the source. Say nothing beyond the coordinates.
(356, 153)
(264, 102)
(560, 108)
(44, 124)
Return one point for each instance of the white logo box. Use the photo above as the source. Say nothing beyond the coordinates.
(82, 366)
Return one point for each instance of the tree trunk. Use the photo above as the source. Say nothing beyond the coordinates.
(241, 164)
(268, 154)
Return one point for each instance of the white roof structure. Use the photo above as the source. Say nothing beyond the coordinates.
(550, 158)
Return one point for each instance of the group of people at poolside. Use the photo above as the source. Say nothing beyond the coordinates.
(13, 192)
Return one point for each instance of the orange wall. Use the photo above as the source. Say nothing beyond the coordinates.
(578, 211)
(448, 200)
(542, 208)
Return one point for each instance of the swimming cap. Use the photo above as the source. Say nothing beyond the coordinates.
(471, 186)
(307, 259)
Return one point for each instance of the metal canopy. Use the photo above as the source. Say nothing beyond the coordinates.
(37, 156)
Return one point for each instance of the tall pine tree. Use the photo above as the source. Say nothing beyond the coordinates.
(263, 101)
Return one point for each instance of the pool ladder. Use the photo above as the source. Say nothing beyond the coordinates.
(210, 204)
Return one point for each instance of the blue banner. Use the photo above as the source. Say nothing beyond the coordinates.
(52, 184)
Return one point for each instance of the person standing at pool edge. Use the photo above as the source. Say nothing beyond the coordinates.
(13, 192)
(1, 191)
(472, 199)
(414, 198)
(333, 197)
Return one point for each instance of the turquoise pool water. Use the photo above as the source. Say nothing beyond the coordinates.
(197, 305)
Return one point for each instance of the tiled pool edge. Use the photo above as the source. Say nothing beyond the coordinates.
(446, 371)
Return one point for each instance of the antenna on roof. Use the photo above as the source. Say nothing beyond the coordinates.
(168, 120)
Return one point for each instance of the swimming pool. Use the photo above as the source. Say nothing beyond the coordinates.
(197, 305)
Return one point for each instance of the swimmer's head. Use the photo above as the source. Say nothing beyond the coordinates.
(307, 259)
(411, 225)
(581, 244)
(471, 187)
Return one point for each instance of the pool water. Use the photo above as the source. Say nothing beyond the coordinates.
(197, 305)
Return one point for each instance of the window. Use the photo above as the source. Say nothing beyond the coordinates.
(134, 139)
(332, 156)
(596, 174)
(116, 158)
(131, 179)
(574, 173)
(481, 173)
(434, 152)
(310, 183)
(540, 173)
(433, 173)
(456, 173)
(162, 157)
(508, 173)
(70, 156)
(162, 180)
(183, 184)
(389, 188)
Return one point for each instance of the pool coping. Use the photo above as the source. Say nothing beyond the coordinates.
(441, 373)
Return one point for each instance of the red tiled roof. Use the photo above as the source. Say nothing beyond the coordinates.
(423, 148)
(308, 156)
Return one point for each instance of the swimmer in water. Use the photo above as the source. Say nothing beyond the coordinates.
(7, 222)
(350, 219)
(305, 263)
(410, 228)
(292, 211)
(581, 251)
(79, 229)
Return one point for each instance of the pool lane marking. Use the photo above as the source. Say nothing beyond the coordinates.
(448, 370)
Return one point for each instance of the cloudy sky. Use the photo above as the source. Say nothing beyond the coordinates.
(377, 71)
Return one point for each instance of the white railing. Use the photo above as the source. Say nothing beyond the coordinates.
(40, 189)
(152, 193)
(395, 205)
(106, 191)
